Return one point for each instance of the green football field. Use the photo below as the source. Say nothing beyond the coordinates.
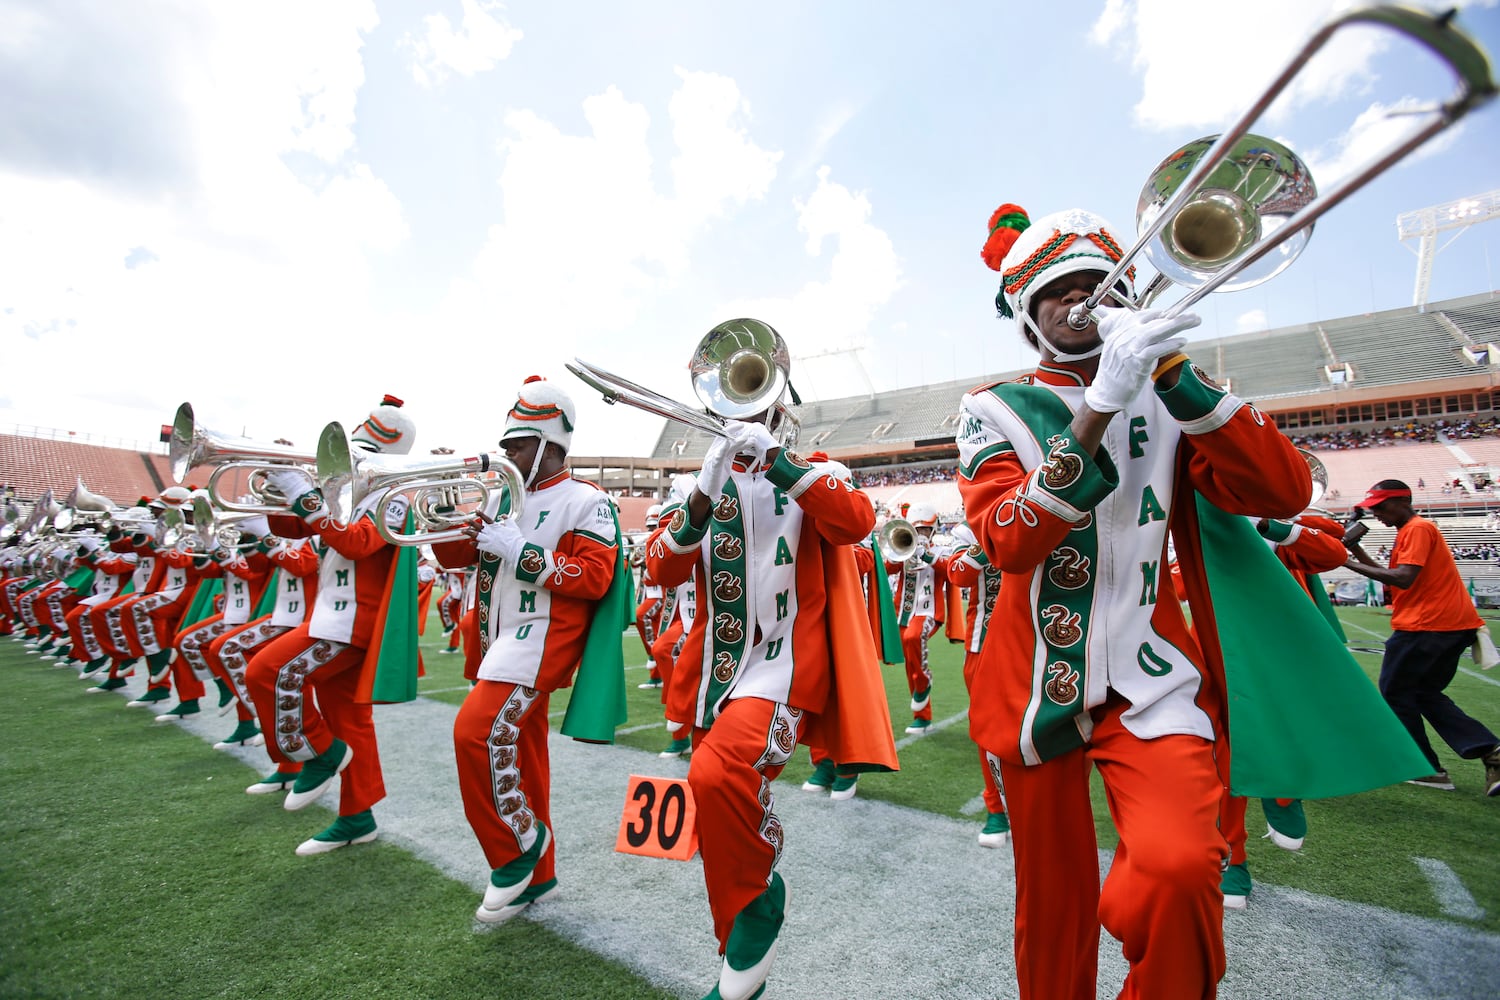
(135, 866)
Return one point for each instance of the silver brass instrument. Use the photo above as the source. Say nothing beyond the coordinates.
(445, 493)
(1319, 473)
(898, 540)
(1220, 206)
(82, 507)
(213, 529)
(740, 369)
(193, 445)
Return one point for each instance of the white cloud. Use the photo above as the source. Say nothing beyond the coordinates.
(255, 266)
(1378, 128)
(483, 39)
(1182, 47)
(1251, 321)
(833, 311)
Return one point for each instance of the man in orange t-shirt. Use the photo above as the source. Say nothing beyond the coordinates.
(1432, 621)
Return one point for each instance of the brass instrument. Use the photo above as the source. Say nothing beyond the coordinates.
(898, 540)
(1221, 205)
(1319, 473)
(193, 445)
(445, 492)
(214, 529)
(80, 507)
(740, 369)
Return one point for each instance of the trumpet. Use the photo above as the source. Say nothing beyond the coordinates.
(1221, 205)
(444, 492)
(898, 540)
(193, 445)
(740, 369)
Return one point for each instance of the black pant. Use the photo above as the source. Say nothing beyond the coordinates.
(1416, 668)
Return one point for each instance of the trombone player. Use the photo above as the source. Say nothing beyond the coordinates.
(767, 540)
(1071, 478)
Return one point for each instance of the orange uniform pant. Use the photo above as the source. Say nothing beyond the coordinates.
(994, 791)
(504, 771)
(739, 836)
(303, 689)
(473, 655)
(664, 653)
(228, 657)
(85, 647)
(647, 623)
(914, 649)
(1161, 898)
(191, 667)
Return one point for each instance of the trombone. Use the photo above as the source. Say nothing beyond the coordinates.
(445, 493)
(740, 369)
(1209, 231)
(193, 445)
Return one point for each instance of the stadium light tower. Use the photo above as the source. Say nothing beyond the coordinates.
(1425, 223)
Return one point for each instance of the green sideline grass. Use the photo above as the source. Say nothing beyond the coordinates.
(134, 866)
(130, 870)
(1359, 848)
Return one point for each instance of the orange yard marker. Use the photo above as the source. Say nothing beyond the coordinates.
(659, 819)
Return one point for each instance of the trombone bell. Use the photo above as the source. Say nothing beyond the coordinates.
(193, 445)
(1251, 193)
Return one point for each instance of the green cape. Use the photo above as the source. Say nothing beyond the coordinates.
(1304, 720)
(597, 706)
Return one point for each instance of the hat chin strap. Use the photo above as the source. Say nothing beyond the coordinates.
(1058, 355)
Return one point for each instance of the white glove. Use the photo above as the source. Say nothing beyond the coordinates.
(1133, 343)
(682, 487)
(290, 483)
(753, 439)
(89, 543)
(503, 539)
(715, 471)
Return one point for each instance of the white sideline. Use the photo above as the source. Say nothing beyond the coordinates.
(890, 902)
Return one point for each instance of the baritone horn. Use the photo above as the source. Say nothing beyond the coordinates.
(898, 540)
(443, 493)
(1233, 210)
(82, 507)
(740, 369)
(193, 445)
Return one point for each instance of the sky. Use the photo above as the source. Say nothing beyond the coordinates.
(281, 211)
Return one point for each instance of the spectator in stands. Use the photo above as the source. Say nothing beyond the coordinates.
(1433, 621)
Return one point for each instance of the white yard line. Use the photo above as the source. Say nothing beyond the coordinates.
(1452, 896)
(1463, 670)
(855, 866)
(952, 720)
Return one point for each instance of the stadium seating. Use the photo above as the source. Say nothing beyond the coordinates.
(31, 464)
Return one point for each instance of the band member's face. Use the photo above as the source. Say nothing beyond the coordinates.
(925, 531)
(1384, 512)
(521, 450)
(1050, 305)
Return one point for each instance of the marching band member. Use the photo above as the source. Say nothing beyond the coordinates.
(766, 539)
(245, 575)
(542, 575)
(151, 620)
(104, 618)
(1074, 505)
(333, 733)
(678, 606)
(970, 569)
(649, 619)
(923, 601)
(451, 608)
(291, 592)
